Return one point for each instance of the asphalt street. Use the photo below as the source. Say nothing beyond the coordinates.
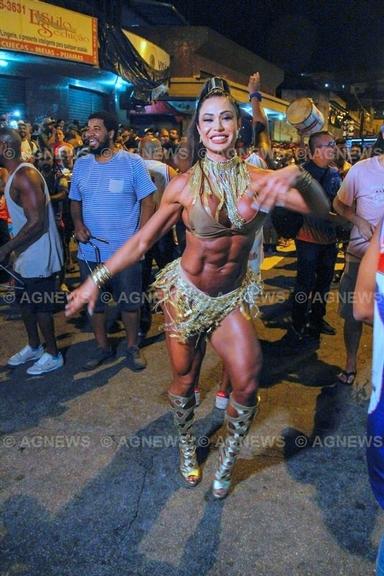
(89, 482)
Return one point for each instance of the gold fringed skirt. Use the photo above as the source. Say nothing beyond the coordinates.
(193, 312)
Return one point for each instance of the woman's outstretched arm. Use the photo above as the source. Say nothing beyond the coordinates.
(136, 247)
(289, 187)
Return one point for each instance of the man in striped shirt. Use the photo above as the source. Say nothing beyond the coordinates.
(111, 198)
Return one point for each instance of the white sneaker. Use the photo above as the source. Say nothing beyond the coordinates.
(25, 355)
(47, 363)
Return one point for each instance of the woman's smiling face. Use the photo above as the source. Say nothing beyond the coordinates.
(218, 125)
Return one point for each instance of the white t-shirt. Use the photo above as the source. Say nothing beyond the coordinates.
(28, 150)
(256, 160)
(159, 172)
(256, 255)
(363, 188)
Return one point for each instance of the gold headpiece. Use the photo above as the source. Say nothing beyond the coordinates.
(216, 84)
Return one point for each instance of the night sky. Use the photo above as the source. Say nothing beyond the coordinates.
(300, 36)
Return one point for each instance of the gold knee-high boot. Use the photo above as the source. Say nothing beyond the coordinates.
(183, 411)
(237, 429)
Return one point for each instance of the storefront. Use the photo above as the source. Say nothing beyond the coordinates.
(340, 121)
(174, 110)
(56, 62)
(33, 87)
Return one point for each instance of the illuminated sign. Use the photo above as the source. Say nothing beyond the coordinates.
(39, 28)
(152, 54)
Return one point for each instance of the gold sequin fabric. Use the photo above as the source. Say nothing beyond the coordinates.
(227, 181)
(194, 313)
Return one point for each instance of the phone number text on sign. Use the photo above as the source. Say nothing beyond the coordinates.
(15, 7)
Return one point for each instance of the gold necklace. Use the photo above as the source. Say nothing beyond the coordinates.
(227, 181)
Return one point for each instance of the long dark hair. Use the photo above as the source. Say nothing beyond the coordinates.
(213, 87)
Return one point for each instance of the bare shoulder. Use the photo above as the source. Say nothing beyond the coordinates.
(176, 188)
(27, 186)
(27, 176)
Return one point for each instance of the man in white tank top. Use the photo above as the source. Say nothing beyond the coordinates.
(37, 252)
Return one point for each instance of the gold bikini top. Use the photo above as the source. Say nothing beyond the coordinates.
(227, 181)
(204, 225)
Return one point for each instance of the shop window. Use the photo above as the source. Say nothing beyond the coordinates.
(12, 96)
(82, 103)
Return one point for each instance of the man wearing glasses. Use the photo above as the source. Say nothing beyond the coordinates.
(315, 248)
(111, 197)
(360, 200)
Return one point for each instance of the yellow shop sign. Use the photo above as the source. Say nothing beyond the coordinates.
(39, 28)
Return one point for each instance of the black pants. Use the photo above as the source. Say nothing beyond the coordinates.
(315, 267)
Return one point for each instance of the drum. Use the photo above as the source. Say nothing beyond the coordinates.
(303, 115)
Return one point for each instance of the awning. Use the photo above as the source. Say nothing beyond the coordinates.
(119, 55)
(189, 88)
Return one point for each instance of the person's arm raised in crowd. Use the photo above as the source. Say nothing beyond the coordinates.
(260, 136)
(258, 114)
(28, 193)
(136, 247)
(364, 301)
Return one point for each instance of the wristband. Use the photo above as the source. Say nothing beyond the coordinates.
(101, 275)
(256, 95)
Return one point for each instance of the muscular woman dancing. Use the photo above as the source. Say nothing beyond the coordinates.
(209, 292)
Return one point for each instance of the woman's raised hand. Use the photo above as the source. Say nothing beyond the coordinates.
(270, 188)
(254, 83)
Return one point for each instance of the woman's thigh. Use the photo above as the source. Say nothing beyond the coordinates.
(236, 342)
(185, 357)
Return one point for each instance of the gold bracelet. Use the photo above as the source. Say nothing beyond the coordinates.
(101, 276)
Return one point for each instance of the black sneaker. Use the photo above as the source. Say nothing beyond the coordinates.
(292, 337)
(321, 327)
(326, 328)
(99, 356)
(297, 341)
(135, 360)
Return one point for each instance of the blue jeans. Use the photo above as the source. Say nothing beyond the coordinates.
(380, 559)
(315, 266)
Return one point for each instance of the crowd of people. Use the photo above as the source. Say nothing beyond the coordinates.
(197, 206)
